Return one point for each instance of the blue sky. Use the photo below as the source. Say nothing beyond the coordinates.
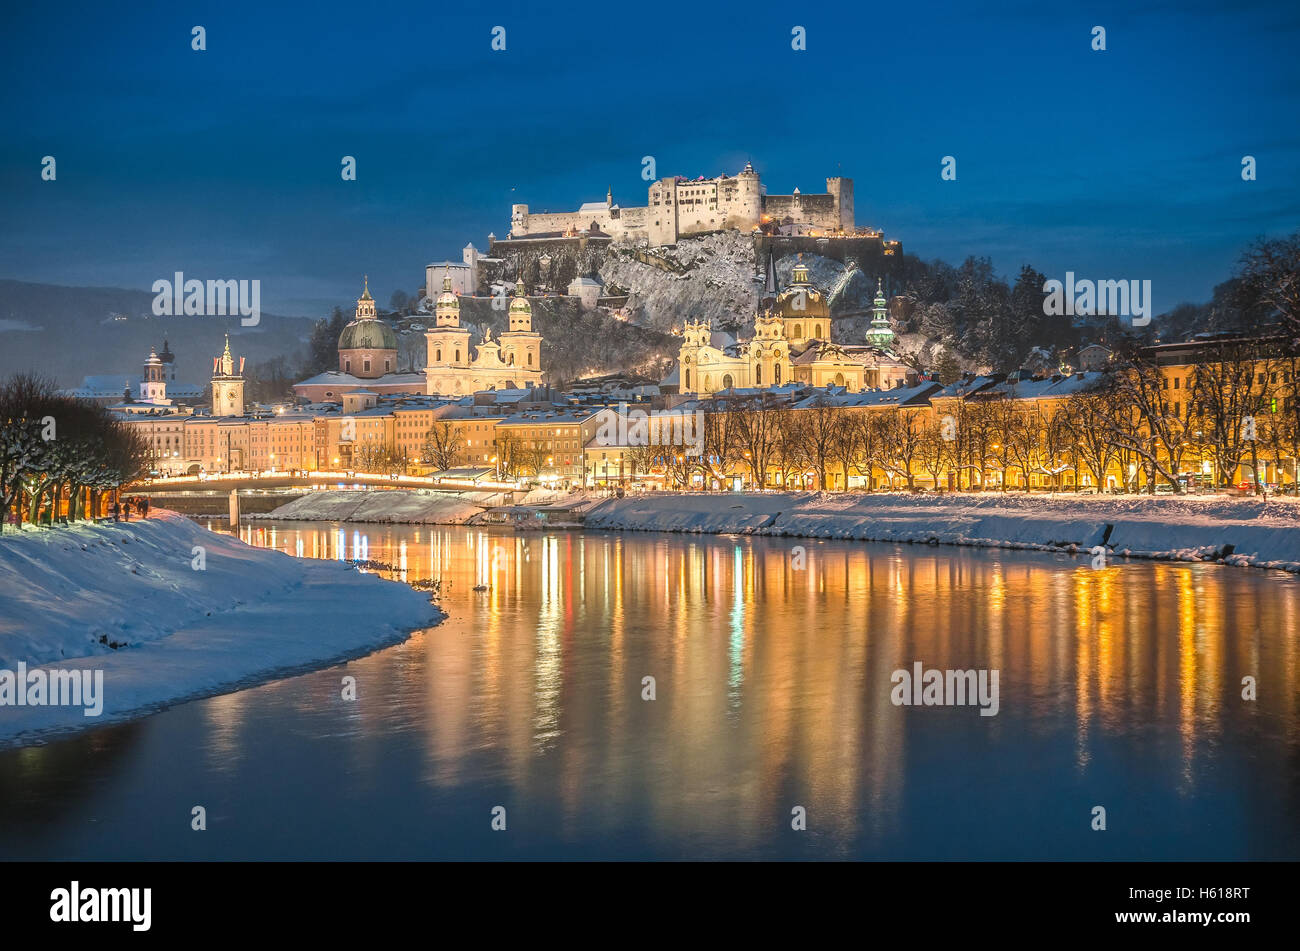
(225, 163)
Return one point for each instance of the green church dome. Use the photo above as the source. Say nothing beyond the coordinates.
(368, 335)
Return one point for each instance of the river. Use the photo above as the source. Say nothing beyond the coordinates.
(772, 664)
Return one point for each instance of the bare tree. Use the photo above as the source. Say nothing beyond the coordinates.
(900, 433)
(1231, 393)
(791, 448)
(934, 450)
(756, 428)
(443, 445)
(821, 425)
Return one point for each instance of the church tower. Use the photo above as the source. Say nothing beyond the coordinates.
(153, 384)
(769, 351)
(521, 348)
(227, 385)
(880, 334)
(447, 356)
(695, 335)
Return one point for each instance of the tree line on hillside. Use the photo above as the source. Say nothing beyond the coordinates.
(970, 309)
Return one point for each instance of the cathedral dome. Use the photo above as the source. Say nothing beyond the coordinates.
(368, 334)
(801, 299)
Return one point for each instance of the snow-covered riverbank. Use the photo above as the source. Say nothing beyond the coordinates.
(169, 611)
(405, 506)
(1261, 534)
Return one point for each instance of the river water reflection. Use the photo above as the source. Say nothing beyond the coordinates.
(1119, 687)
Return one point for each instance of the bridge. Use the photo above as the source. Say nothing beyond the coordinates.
(264, 492)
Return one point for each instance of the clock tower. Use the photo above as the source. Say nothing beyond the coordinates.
(227, 384)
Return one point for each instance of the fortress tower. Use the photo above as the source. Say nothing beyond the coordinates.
(745, 206)
(841, 191)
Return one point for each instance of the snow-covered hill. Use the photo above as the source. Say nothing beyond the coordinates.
(717, 277)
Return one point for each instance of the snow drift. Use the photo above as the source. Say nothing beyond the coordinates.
(127, 599)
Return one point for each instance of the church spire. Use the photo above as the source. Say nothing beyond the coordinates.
(880, 333)
(366, 303)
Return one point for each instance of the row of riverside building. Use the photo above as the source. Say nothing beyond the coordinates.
(1024, 431)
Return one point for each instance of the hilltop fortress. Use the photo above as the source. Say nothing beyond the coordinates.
(677, 206)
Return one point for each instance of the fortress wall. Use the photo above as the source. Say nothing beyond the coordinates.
(561, 221)
(693, 207)
(818, 210)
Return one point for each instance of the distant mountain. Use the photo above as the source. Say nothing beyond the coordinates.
(70, 332)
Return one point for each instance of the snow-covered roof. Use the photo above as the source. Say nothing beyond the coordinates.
(339, 378)
(548, 418)
(963, 388)
(1054, 386)
(900, 396)
(113, 384)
